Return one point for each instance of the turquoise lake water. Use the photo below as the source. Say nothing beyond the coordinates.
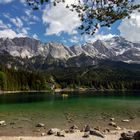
(64, 109)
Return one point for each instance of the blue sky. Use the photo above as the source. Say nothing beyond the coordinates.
(57, 24)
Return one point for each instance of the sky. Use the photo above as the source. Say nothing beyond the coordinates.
(58, 24)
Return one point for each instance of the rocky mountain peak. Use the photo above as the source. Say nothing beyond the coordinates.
(115, 49)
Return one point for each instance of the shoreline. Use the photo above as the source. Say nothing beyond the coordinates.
(113, 135)
(63, 90)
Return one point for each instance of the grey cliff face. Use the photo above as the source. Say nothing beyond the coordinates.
(34, 51)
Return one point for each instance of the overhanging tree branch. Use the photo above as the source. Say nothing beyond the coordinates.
(95, 13)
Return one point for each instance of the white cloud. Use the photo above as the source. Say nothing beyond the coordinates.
(60, 19)
(28, 12)
(30, 17)
(25, 18)
(20, 29)
(7, 31)
(130, 28)
(74, 39)
(2, 25)
(35, 18)
(35, 36)
(97, 36)
(10, 33)
(136, 1)
(24, 31)
(23, 1)
(5, 1)
(17, 21)
(6, 15)
(90, 38)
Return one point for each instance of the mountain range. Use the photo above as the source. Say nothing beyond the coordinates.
(30, 53)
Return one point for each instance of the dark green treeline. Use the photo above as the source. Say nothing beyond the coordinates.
(91, 77)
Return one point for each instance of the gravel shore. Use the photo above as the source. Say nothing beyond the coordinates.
(114, 135)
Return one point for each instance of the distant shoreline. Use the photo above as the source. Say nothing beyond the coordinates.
(56, 90)
(63, 90)
(20, 91)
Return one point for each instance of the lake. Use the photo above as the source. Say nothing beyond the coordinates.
(22, 111)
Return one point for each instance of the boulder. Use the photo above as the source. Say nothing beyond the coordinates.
(40, 125)
(137, 135)
(74, 127)
(2, 123)
(112, 119)
(97, 128)
(53, 131)
(127, 136)
(107, 130)
(96, 133)
(67, 131)
(61, 133)
(43, 134)
(113, 124)
(126, 120)
(118, 128)
(86, 128)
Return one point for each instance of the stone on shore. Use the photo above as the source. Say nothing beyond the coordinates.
(112, 119)
(2, 123)
(74, 129)
(107, 130)
(97, 128)
(130, 136)
(53, 131)
(127, 136)
(61, 133)
(86, 128)
(137, 135)
(96, 133)
(86, 134)
(126, 120)
(40, 125)
(118, 128)
(43, 134)
(113, 124)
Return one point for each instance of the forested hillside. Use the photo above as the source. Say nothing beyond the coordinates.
(11, 79)
(106, 75)
(98, 78)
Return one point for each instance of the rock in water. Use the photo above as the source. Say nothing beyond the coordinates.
(126, 120)
(53, 131)
(40, 125)
(112, 119)
(2, 123)
(113, 124)
(96, 133)
(137, 135)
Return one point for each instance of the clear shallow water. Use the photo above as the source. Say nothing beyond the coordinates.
(55, 110)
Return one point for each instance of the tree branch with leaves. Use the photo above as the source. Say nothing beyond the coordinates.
(94, 13)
